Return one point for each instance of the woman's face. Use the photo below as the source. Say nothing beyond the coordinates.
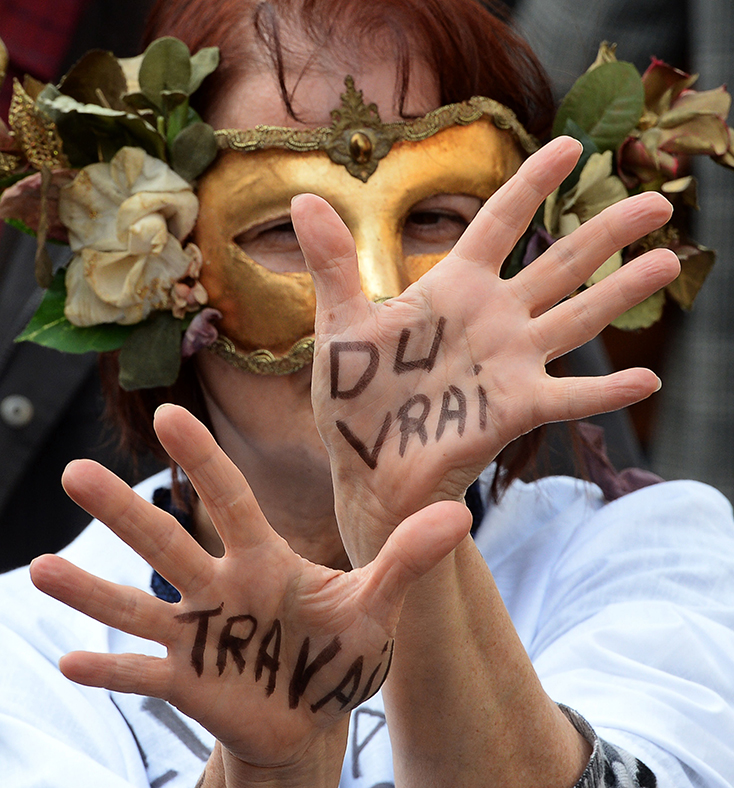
(433, 225)
(265, 421)
(263, 416)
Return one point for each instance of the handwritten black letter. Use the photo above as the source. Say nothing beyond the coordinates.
(351, 679)
(335, 350)
(483, 403)
(304, 672)
(370, 457)
(412, 424)
(420, 363)
(235, 645)
(452, 415)
(202, 616)
(269, 661)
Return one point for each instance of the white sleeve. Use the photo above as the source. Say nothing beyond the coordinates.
(635, 630)
(53, 733)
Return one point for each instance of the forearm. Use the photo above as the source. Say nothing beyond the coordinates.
(463, 703)
(320, 767)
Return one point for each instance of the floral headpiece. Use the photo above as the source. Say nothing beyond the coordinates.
(638, 133)
(108, 160)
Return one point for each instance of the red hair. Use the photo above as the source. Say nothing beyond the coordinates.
(470, 50)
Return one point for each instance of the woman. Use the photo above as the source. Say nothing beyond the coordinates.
(412, 399)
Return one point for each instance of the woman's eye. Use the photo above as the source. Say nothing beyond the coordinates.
(436, 224)
(273, 245)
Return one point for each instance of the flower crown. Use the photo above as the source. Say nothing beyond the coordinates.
(107, 162)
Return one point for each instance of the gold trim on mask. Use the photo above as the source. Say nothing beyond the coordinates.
(264, 362)
(358, 139)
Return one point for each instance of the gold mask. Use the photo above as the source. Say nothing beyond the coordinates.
(373, 174)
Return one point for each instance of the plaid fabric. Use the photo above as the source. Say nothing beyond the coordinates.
(694, 433)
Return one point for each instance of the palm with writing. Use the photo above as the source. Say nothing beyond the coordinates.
(415, 396)
(265, 649)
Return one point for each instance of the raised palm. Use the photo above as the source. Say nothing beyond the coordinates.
(264, 649)
(415, 396)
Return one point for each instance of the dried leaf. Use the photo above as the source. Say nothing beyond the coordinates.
(36, 134)
(44, 266)
(96, 71)
(4, 60)
(203, 63)
(643, 315)
(696, 262)
(607, 54)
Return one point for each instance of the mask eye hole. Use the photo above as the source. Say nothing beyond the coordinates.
(436, 224)
(274, 245)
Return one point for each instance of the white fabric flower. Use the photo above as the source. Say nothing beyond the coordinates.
(126, 221)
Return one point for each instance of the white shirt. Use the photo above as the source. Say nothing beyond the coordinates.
(626, 609)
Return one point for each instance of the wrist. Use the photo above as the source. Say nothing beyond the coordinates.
(367, 518)
(319, 766)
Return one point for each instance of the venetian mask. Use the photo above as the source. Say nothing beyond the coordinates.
(373, 174)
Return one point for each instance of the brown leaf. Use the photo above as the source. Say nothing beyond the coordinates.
(97, 72)
(696, 262)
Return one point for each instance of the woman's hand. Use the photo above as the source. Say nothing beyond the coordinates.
(265, 650)
(415, 396)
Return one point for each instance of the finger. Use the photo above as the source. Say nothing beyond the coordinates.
(568, 399)
(154, 534)
(330, 254)
(415, 547)
(220, 485)
(505, 216)
(127, 609)
(579, 319)
(570, 261)
(149, 676)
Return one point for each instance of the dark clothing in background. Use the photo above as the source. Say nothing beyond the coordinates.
(50, 402)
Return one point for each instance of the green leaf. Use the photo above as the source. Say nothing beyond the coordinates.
(140, 102)
(49, 326)
(176, 121)
(151, 355)
(21, 226)
(606, 103)
(173, 99)
(193, 150)
(166, 66)
(90, 132)
(9, 180)
(203, 63)
(644, 314)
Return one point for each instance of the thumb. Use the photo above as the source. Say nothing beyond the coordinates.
(331, 257)
(415, 547)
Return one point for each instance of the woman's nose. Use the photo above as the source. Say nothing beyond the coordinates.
(381, 266)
